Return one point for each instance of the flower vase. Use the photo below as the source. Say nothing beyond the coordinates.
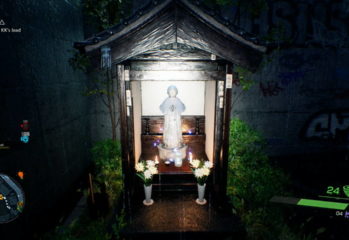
(201, 192)
(147, 191)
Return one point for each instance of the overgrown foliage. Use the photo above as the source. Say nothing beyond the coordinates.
(79, 61)
(119, 225)
(86, 228)
(245, 79)
(83, 228)
(102, 14)
(106, 13)
(104, 85)
(101, 83)
(107, 174)
(252, 181)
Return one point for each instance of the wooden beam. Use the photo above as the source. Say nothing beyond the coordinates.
(175, 75)
(174, 66)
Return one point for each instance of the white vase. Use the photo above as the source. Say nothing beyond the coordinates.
(201, 192)
(147, 191)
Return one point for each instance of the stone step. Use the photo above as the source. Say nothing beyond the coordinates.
(174, 178)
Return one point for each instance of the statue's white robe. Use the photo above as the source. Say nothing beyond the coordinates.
(172, 109)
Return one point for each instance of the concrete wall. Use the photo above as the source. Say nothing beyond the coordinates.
(38, 84)
(302, 90)
(293, 99)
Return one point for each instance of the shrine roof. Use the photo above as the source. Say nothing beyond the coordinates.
(177, 21)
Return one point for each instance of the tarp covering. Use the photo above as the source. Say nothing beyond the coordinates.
(174, 21)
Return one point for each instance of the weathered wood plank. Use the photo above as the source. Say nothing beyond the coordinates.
(176, 75)
(173, 66)
(182, 52)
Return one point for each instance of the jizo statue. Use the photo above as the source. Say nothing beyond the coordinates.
(172, 108)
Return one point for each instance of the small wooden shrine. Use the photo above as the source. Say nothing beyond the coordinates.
(175, 43)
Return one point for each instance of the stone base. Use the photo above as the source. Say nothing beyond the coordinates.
(148, 203)
(203, 202)
(172, 153)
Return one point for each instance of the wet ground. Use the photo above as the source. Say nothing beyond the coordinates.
(175, 215)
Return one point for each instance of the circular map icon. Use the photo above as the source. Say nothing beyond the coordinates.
(11, 199)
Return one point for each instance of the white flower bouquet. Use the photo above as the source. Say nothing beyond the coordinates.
(146, 170)
(201, 170)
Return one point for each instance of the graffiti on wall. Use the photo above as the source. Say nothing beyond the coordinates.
(294, 66)
(320, 23)
(270, 88)
(327, 125)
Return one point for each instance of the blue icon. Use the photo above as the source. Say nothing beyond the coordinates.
(25, 139)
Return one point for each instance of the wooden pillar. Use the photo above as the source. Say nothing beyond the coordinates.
(221, 145)
(224, 153)
(124, 137)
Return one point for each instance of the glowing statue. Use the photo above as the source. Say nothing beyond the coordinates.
(172, 107)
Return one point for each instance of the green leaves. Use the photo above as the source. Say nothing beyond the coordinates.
(79, 61)
(106, 13)
(119, 224)
(252, 180)
(83, 228)
(245, 78)
(106, 156)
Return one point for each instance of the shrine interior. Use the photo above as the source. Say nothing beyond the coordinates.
(149, 90)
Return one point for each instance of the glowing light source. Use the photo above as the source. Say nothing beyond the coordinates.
(190, 157)
(20, 174)
(156, 160)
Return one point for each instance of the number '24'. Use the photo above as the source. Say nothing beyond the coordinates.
(332, 190)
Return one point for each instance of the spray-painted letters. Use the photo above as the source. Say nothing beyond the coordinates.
(331, 125)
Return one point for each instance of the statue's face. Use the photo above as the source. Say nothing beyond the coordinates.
(172, 93)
